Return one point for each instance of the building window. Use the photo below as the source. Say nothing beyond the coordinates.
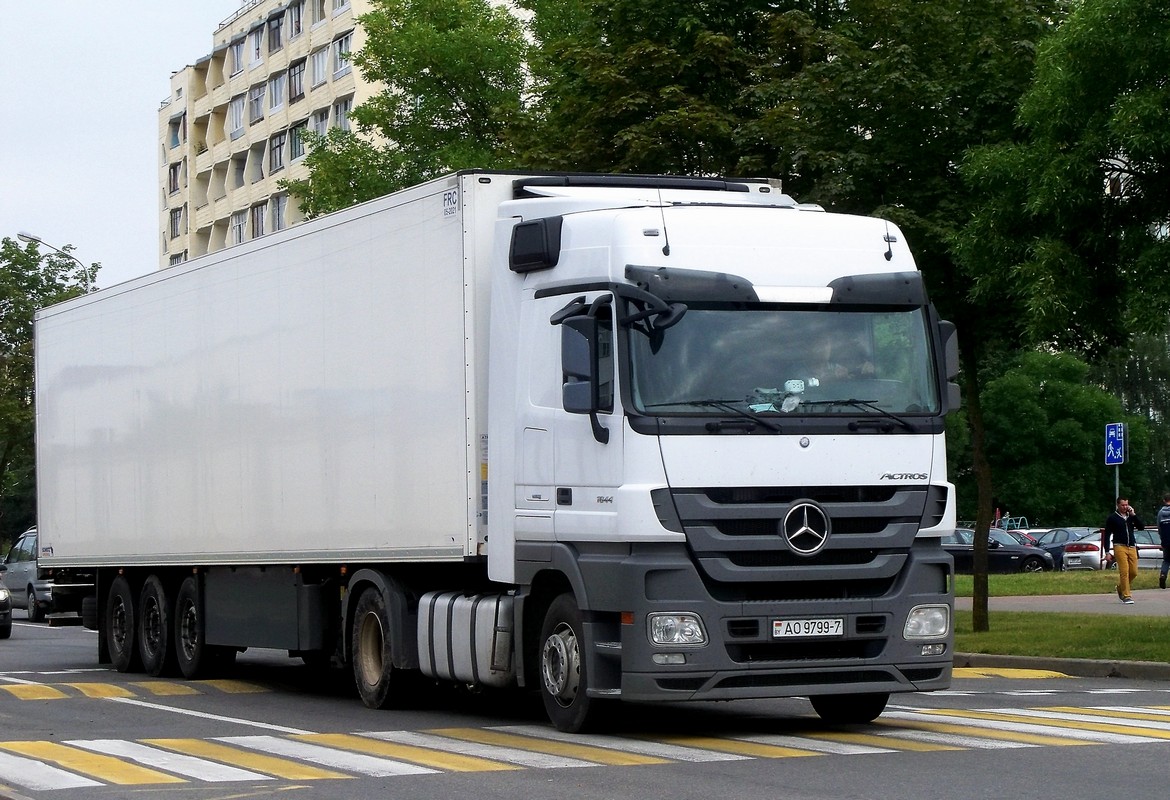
(279, 203)
(318, 9)
(341, 49)
(276, 152)
(256, 46)
(236, 117)
(259, 211)
(319, 66)
(239, 224)
(275, 33)
(296, 141)
(341, 111)
(174, 173)
(320, 122)
(276, 86)
(296, 81)
(256, 104)
(237, 50)
(177, 259)
(340, 5)
(296, 19)
(176, 222)
(178, 130)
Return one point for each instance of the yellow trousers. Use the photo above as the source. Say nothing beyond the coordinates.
(1127, 567)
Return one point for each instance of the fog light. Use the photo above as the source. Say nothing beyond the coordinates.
(669, 658)
(677, 629)
(927, 622)
(933, 649)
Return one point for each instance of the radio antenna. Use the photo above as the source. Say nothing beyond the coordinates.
(665, 233)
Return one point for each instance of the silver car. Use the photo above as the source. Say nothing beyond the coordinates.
(1086, 552)
(19, 572)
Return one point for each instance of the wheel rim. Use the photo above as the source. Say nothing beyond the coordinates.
(188, 632)
(151, 627)
(561, 665)
(371, 642)
(118, 629)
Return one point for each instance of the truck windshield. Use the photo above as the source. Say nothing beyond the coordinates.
(766, 359)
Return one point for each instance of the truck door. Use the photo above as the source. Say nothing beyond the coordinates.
(587, 425)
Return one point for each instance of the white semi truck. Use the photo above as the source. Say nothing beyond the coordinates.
(608, 437)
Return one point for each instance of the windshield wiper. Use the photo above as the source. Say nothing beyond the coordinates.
(870, 405)
(722, 405)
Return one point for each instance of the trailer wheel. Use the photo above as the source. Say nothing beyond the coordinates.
(89, 612)
(154, 628)
(850, 709)
(373, 667)
(563, 674)
(119, 627)
(191, 650)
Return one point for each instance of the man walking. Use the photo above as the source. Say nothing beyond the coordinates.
(1164, 535)
(1119, 527)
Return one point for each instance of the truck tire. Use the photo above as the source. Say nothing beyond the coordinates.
(35, 612)
(120, 626)
(850, 709)
(371, 657)
(155, 616)
(563, 673)
(191, 649)
(89, 613)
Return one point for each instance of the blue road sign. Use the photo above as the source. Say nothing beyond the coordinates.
(1114, 444)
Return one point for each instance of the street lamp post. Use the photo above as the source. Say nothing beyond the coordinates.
(32, 238)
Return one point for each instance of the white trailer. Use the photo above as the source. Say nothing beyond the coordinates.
(629, 437)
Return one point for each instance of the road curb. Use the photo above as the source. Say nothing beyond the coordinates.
(1077, 667)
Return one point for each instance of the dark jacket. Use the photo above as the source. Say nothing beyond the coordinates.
(1164, 530)
(1121, 529)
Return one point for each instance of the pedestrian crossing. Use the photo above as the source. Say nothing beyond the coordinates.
(53, 766)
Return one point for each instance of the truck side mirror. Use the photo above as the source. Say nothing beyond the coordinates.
(950, 338)
(580, 393)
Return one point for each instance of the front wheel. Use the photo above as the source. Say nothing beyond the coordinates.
(35, 612)
(563, 672)
(1032, 564)
(372, 659)
(850, 709)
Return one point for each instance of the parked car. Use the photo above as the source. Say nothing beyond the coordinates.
(5, 612)
(1149, 545)
(1004, 553)
(1086, 552)
(1055, 540)
(19, 573)
(1028, 537)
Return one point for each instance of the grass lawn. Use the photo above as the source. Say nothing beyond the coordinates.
(1063, 635)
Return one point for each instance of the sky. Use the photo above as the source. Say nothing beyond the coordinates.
(81, 83)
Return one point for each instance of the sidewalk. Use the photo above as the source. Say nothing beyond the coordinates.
(1147, 603)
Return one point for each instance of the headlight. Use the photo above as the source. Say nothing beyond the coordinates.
(4, 595)
(927, 622)
(677, 629)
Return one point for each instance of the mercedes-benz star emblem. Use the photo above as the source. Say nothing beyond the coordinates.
(805, 528)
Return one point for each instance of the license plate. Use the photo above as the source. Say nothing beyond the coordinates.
(799, 628)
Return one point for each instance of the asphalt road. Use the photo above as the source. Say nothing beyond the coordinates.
(72, 729)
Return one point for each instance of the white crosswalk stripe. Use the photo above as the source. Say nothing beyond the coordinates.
(198, 768)
(37, 776)
(642, 747)
(327, 756)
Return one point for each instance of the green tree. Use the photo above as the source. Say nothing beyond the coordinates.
(643, 87)
(1073, 220)
(453, 76)
(28, 281)
(1046, 435)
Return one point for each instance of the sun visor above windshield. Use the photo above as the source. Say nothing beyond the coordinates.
(880, 289)
(680, 285)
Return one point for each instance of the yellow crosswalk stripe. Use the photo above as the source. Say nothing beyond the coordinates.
(453, 762)
(102, 767)
(584, 752)
(1114, 713)
(166, 688)
(272, 765)
(101, 690)
(1071, 724)
(872, 740)
(230, 686)
(985, 733)
(34, 691)
(738, 747)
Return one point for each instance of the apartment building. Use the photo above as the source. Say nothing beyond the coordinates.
(233, 125)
